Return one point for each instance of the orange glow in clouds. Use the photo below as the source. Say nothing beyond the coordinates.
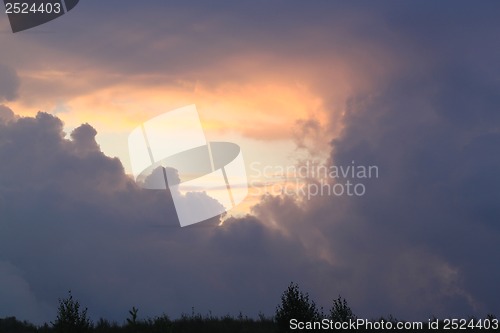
(262, 110)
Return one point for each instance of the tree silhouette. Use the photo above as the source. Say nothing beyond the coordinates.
(340, 311)
(132, 320)
(295, 305)
(70, 319)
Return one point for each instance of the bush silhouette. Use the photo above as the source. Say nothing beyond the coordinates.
(12, 325)
(70, 319)
(295, 305)
(340, 311)
(132, 320)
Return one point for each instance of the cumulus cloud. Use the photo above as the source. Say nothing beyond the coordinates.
(437, 189)
(72, 219)
(422, 239)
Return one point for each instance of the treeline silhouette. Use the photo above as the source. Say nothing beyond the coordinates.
(296, 312)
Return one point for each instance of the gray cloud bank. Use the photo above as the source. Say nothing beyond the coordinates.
(424, 239)
(72, 219)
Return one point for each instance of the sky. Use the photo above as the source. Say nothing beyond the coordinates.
(411, 88)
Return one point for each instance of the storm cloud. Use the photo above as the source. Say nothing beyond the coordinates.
(423, 239)
(72, 219)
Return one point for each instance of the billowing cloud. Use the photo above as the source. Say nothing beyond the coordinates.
(72, 219)
(423, 239)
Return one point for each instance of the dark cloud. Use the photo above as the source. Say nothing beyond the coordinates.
(423, 239)
(439, 166)
(83, 139)
(175, 43)
(72, 219)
